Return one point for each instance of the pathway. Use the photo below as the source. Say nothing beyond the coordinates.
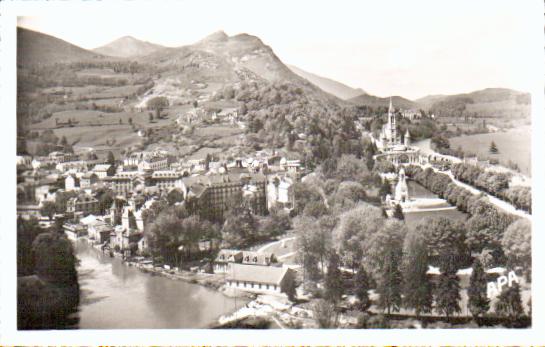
(262, 249)
(503, 205)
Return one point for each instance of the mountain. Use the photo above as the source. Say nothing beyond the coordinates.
(222, 57)
(489, 102)
(375, 101)
(36, 48)
(127, 47)
(220, 60)
(328, 85)
(488, 95)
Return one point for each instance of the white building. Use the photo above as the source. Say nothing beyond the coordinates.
(257, 279)
(402, 190)
(280, 193)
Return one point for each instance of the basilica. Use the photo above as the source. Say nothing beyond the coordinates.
(390, 145)
(389, 139)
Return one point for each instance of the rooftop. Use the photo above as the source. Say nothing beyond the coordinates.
(258, 274)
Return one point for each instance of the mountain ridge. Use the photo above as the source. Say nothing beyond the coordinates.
(34, 47)
(127, 47)
(328, 85)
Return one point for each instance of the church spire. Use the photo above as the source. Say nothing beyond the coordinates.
(391, 108)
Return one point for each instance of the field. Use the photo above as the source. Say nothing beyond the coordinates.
(514, 145)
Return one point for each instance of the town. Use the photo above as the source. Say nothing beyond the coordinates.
(322, 247)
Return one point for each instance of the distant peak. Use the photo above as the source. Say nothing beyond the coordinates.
(219, 35)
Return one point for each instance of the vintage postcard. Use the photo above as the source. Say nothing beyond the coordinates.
(221, 168)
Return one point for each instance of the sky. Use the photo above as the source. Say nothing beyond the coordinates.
(388, 47)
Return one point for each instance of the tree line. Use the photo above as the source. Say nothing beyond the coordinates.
(494, 183)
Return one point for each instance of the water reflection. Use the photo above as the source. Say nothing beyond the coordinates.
(116, 296)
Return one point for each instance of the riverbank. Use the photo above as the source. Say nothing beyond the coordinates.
(213, 281)
(116, 295)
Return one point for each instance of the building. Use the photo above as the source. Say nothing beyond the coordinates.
(257, 279)
(88, 179)
(258, 258)
(167, 180)
(390, 146)
(225, 258)
(214, 193)
(280, 193)
(100, 231)
(401, 189)
(389, 136)
(61, 157)
(153, 164)
(76, 166)
(104, 170)
(71, 182)
(73, 231)
(83, 203)
(407, 139)
(410, 114)
(125, 182)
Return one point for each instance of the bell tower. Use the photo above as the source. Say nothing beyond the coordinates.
(392, 124)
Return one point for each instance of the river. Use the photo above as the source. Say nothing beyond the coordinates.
(116, 296)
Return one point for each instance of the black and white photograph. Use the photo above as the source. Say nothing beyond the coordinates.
(362, 165)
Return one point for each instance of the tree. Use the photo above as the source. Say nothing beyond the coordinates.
(478, 301)
(390, 279)
(354, 231)
(275, 224)
(158, 103)
(350, 168)
(54, 259)
(110, 159)
(447, 294)
(417, 288)
(334, 286)
(64, 142)
(314, 242)
(493, 149)
(174, 196)
(324, 313)
(207, 161)
(27, 230)
(509, 303)
(517, 245)
(348, 194)
(240, 227)
(105, 200)
(48, 209)
(384, 166)
(444, 238)
(361, 289)
(289, 286)
(385, 189)
(398, 213)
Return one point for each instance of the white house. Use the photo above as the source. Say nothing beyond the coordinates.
(257, 279)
